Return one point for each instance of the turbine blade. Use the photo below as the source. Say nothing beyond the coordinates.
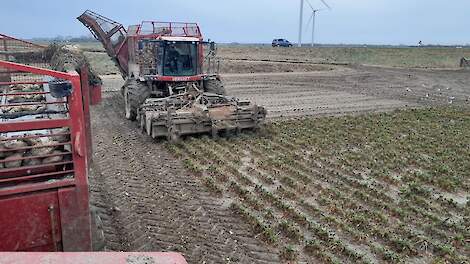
(324, 2)
(308, 23)
(308, 2)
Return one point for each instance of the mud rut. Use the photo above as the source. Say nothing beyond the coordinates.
(149, 203)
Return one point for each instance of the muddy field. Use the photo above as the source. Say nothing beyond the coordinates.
(244, 58)
(347, 189)
(350, 90)
(149, 202)
(263, 58)
(150, 199)
(446, 57)
(342, 89)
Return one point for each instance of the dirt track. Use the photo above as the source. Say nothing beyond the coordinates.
(149, 202)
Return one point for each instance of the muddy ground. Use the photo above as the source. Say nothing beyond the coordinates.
(350, 89)
(395, 57)
(149, 202)
(336, 89)
(228, 66)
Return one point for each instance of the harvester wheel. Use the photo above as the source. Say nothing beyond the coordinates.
(215, 133)
(143, 124)
(173, 136)
(214, 86)
(130, 114)
(135, 94)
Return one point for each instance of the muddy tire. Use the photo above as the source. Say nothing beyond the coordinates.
(135, 94)
(214, 86)
(173, 136)
(215, 133)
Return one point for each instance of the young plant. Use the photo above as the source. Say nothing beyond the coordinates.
(290, 230)
(289, 252)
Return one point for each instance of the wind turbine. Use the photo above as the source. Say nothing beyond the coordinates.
(313, 17)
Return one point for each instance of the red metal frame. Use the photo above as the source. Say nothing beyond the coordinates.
(5, 37)
(92, 258)
(49, 215)
(171, 33)
(123, 56)
(171, 26)
(54, 215)
(176, 78)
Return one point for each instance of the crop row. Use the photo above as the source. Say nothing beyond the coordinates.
(341, 189)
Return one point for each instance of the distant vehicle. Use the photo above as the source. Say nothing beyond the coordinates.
(281, 43)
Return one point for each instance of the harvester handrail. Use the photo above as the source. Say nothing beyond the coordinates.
(109, 20)
(22, 41)
(40, 71)
(171, 26)
(172, 22)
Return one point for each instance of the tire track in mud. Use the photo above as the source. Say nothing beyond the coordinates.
(310, 94)
(149, 203)
(346, 90)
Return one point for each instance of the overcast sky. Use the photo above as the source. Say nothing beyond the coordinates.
(257, 21)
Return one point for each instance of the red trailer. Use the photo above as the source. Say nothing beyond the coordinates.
(45, 154)
(45, 146)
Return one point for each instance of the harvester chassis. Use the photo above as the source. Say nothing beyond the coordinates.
(135, 92)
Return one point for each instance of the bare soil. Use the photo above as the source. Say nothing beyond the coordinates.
(342, 89)
(404, 57)
(394, 57)
(350, 89)
(250, 66)
(149, 202)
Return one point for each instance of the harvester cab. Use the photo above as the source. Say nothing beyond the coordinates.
(166, 51)
(178, 58)
(160, 61)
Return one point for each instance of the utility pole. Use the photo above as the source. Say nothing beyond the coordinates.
(301, 22)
